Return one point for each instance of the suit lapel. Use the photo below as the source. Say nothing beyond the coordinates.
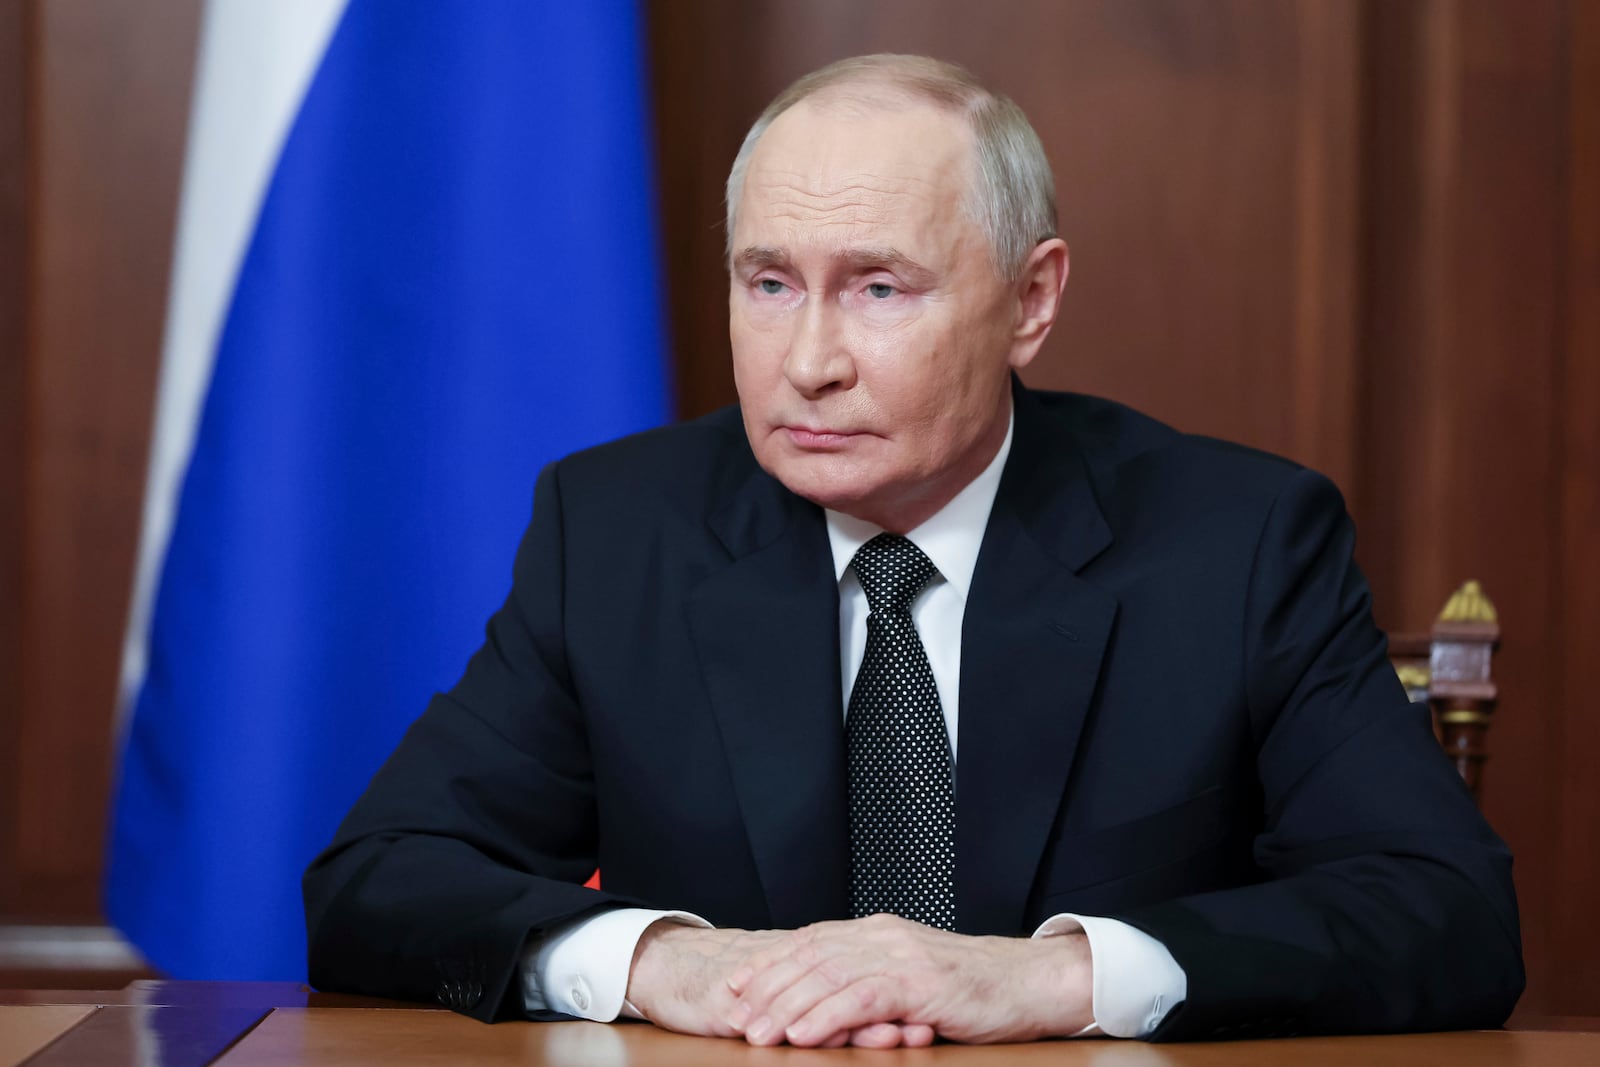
(1033, 638)
(766, 629)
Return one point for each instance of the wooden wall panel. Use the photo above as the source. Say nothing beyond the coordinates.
(111, 89)
(701, 55)
(1577, 636)
(13, 314)
(1463, 404)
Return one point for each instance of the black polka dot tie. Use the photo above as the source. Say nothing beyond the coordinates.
(902, 800)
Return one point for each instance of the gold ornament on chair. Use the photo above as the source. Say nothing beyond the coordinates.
(1468, 604)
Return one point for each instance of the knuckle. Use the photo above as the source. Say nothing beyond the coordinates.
(864, 997)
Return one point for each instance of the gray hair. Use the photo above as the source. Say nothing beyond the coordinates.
(1013, 196)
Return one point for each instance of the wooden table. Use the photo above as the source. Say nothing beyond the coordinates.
(254, 1024)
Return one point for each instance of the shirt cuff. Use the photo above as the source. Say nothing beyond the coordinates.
(582, 968)
(1136, 980)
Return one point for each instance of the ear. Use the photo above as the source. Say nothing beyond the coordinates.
(1038, 294)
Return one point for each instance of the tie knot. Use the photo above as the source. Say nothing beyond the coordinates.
(892, 571)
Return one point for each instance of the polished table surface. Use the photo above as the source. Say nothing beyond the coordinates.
(243, 1024)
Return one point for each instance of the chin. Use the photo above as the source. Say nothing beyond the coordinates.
(827, 484)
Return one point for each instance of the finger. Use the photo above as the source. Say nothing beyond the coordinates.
(791, 985)
(839, 1040)
(764, 960)
(777, 966)
(822, 937)
(857, 1005)
(916, 1035)
(754, 1005)
(802, 943)
(717, 1011)
(807, 989)
(878, 1035)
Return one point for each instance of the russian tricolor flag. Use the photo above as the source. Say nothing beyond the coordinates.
(416, 260)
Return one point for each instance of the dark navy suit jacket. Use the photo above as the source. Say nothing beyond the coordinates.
(1175, 710)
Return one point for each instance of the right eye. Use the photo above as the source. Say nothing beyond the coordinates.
(771, 286)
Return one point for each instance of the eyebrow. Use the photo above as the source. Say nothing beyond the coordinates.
(756, 257)
(760, 256)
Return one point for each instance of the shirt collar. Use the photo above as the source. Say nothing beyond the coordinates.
(950, 538)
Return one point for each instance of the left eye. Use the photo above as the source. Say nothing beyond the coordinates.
(880, 291)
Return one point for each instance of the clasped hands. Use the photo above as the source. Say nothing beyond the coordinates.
(878, 982)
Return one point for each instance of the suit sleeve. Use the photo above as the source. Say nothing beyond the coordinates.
(477, 832)
(1387, 902)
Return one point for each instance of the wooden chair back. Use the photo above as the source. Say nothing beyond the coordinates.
(1449, 668)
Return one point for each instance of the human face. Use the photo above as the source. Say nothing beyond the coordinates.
(872, 336)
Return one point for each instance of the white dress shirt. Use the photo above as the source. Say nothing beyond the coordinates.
(582, 969)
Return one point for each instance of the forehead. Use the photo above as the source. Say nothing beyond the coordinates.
(841, 167)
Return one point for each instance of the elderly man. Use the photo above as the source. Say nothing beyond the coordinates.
(933, 706)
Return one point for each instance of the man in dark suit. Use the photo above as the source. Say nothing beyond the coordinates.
(898, 635)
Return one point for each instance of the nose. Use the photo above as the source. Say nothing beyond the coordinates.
(819, 361)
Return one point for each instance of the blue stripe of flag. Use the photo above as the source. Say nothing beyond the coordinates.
(452, 282)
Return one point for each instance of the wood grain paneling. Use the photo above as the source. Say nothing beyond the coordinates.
(697, 54)
(1324, 364)
(14, 157)
(1463, 407)
(1572, 659)
(111, 102)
